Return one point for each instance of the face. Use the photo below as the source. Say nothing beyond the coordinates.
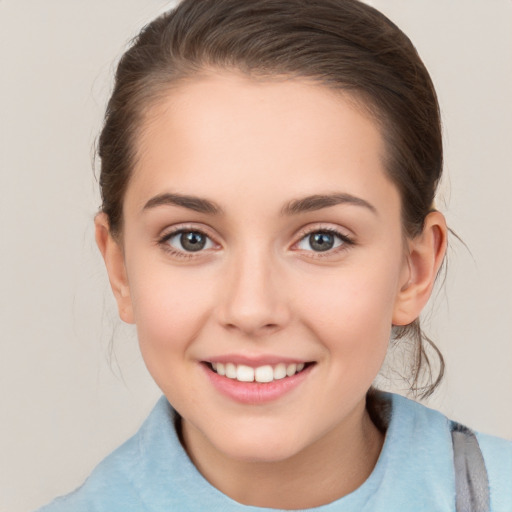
(262, 239)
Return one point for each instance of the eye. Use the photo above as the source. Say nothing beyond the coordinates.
(321, 241)
(188, 241)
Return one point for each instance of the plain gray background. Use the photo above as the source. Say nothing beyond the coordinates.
(66, 398)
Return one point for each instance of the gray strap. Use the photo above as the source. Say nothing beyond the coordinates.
(471, 480)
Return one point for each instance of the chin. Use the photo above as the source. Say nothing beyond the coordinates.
(261, 445)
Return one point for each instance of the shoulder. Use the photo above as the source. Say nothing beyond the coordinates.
(433, 433)
(115, 484)
(109, 487)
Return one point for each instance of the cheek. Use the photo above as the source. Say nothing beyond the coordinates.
(351, 312)
(170, 308)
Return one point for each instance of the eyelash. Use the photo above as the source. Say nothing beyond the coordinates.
(164, 239)
(346, 241)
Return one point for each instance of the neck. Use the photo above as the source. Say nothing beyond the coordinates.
(334, 466)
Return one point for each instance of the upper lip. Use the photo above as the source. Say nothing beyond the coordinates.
(256, 360)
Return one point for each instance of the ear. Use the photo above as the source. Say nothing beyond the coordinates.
(423, 261)
(113, 256)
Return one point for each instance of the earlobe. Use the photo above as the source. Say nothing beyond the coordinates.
(425, 256)
(113, 256)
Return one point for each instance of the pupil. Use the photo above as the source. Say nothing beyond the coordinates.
(192, 241)
(321, 241)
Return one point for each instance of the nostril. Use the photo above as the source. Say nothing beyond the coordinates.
(252, 327)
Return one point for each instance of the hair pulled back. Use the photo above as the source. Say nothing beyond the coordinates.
(344, 45)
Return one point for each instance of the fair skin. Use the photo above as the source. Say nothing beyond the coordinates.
(260, 289)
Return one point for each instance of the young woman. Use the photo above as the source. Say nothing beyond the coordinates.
(268, 178)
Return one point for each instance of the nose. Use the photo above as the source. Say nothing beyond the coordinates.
(254, 300)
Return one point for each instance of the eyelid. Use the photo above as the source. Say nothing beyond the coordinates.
(178, 234)
(186, 226)
(347, 239)
(343, 233)
(175, 230)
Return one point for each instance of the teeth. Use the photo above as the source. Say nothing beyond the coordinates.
(280, 371)
(291, 369)
(244, 373)
(230, 371)
(266, 373)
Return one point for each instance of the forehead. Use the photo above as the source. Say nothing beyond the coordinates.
(225, 132)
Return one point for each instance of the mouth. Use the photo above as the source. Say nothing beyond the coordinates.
(261, 374)
(253, 382)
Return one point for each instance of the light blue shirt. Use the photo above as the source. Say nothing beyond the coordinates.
(151, 472)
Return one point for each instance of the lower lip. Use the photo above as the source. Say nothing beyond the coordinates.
(255, 392)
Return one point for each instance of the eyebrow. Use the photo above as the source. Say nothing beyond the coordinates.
(296, 206)
(194, 203)
(319, 201)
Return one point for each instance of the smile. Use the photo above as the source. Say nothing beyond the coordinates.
(246, 383)
(262, 374)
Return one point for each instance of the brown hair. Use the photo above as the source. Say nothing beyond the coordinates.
(342, 44)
